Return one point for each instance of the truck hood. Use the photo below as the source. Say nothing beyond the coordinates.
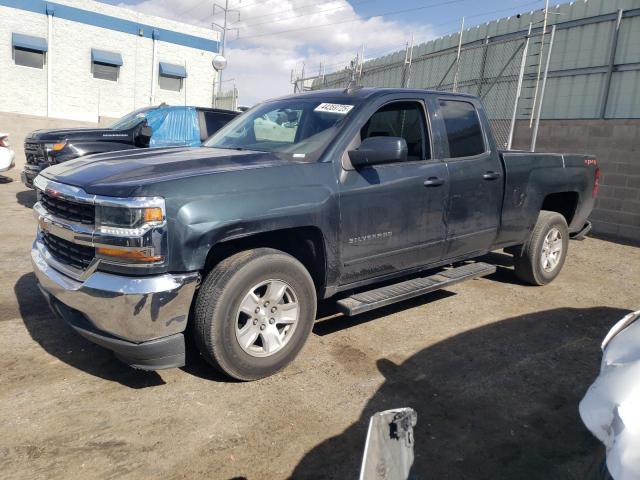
(122, 173)
(100, 134)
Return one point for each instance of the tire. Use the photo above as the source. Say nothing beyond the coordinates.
(222, 319)
(529, 260)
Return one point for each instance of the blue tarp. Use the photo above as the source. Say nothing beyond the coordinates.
(169, 70)
(174, 126)
(30, 43)
(108, 58)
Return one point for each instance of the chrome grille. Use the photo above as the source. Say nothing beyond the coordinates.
(34, 153)
(69, 210)
(77, 256)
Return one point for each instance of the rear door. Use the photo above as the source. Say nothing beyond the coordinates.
(475, 177)
(392, 215)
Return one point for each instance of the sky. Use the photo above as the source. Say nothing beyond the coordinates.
(276, 36)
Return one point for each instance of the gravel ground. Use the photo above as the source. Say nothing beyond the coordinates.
(494, 369)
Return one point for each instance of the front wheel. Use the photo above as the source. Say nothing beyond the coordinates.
(254, 312)
(541, 259)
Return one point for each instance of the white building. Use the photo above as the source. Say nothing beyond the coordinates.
(81, 60)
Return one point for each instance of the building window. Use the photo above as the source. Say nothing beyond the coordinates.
(29, 51)
(171, 77)
(105, 65)
(105, 72)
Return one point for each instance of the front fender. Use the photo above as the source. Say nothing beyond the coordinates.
(251, 202)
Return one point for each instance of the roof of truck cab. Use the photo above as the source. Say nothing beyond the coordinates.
(367, 92)
(218, 110)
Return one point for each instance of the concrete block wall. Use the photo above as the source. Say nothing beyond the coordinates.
(616, 145)
(73, 93)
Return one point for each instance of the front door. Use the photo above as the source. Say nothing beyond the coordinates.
(392, 215)
(476, 184)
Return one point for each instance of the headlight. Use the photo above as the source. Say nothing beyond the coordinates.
(137, 219)
(54, 147)
(131, 231)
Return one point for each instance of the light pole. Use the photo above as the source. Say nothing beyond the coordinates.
(220, 61)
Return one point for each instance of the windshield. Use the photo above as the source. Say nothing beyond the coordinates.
(130, 119)
(294, 128)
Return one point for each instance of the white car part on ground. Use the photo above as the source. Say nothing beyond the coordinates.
(7, 156)
(388, 451)
(611, 406)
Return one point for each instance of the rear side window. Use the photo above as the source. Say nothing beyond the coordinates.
(215, 121)
(464, 133)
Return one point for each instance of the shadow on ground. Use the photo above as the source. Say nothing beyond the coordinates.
(4, 179)
(500, 401)
(27, 198)
(61, 341)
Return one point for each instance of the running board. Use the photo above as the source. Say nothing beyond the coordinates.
(383, 296)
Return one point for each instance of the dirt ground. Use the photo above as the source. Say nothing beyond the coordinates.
(494, 369)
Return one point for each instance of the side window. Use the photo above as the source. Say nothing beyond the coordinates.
(215, 121)
(464, 132)
(401, 119)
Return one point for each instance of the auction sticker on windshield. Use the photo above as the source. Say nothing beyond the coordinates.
(334, 108)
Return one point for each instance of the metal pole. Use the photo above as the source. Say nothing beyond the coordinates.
(360, 64)
(224, 42)
(612, 61)
(49, 56)
(408, 59)
(455, 77)
(185, 84)
(483, 64)
(523, 65)
(544, 31)
(154, 68)
(534, 139)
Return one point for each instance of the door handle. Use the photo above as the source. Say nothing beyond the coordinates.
(491, 176)
(433, 182)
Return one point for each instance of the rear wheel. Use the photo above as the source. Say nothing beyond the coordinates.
(540, 260)
(254, 312)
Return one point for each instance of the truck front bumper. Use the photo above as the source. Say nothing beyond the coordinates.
(28, 175)
(141, 319)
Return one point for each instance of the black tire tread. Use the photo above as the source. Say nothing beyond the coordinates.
(209, 297)
(207, 300)
(526, 260)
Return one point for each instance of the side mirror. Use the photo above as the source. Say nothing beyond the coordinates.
(144, 135)
(378, 151)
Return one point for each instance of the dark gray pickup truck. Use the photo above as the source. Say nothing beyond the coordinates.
(373, 196)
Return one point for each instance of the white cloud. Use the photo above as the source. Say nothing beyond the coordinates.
(276, 36)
